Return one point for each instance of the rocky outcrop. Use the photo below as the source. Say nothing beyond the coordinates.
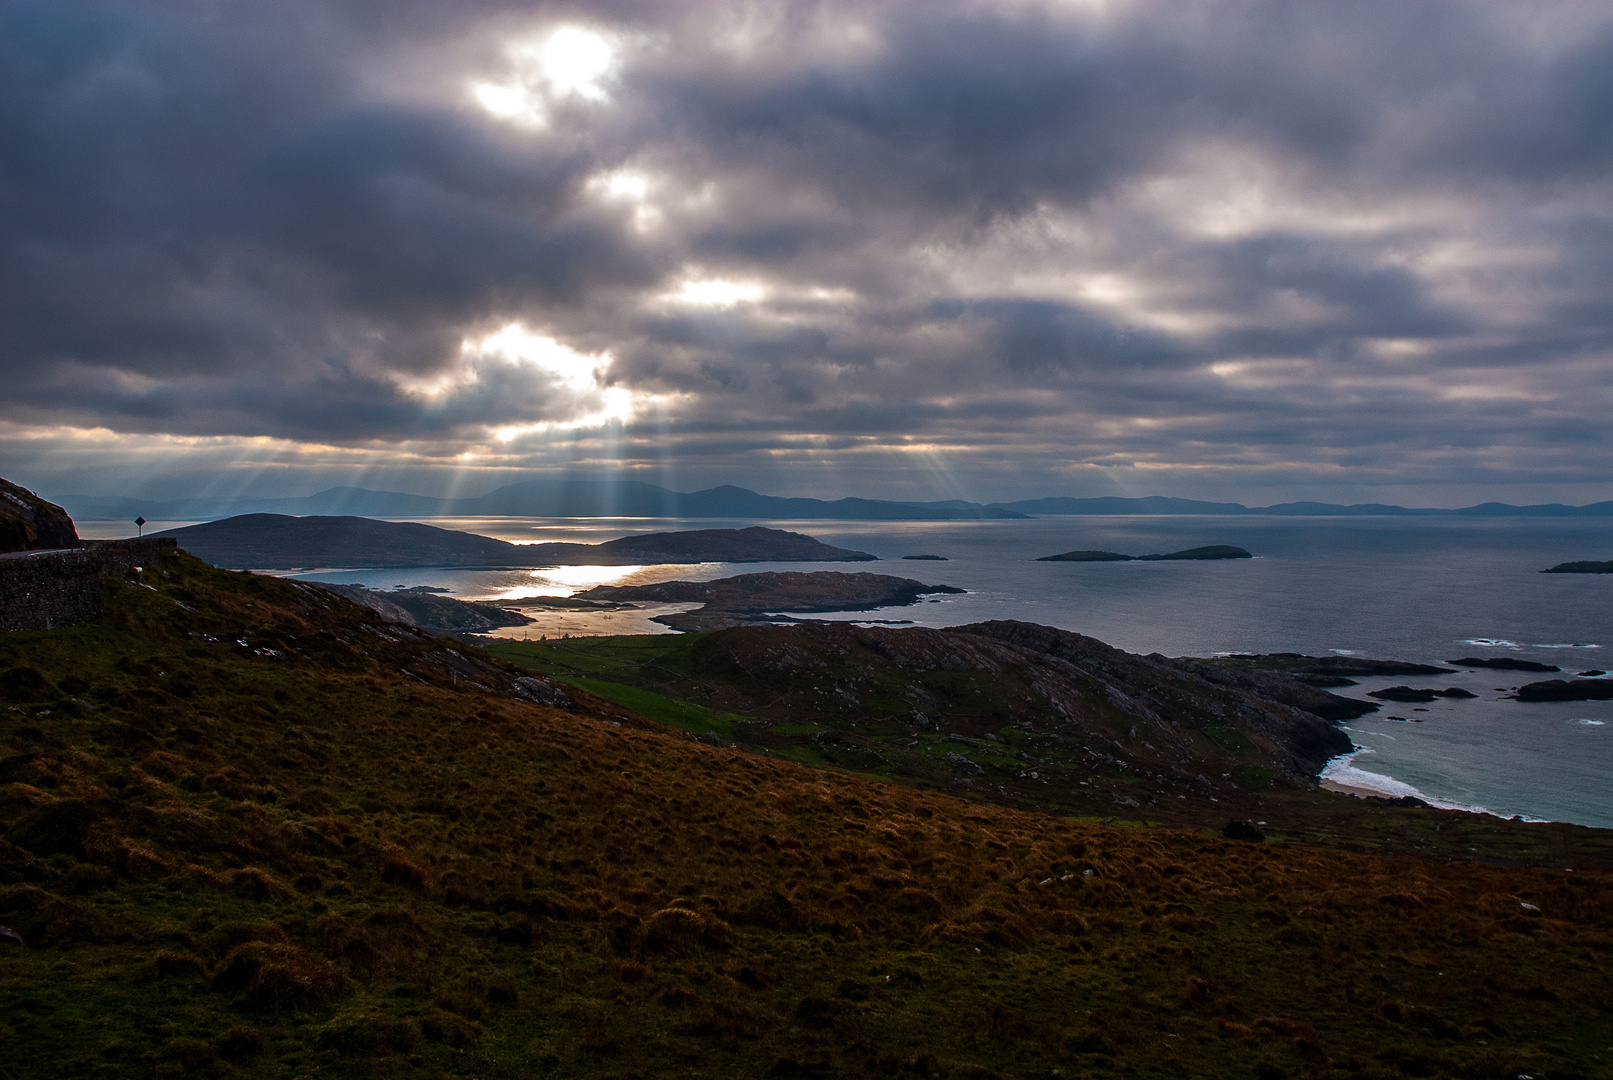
(29, 523)
(430, 612)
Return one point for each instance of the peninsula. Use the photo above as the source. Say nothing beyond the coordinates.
(752, 598)
(279, 542)
(1582, 567)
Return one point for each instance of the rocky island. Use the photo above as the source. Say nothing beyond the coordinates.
(1408, 695)
(1209, 551)
(1583, 567)
(1502, 663)
(1567, 690)
(279, 542)
(748, 598)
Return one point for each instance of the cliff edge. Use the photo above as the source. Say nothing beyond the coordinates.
(29, 523)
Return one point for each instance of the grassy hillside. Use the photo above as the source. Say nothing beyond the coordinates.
(987, 711)
(250, 832)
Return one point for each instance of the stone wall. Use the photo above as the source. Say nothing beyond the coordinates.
(122, 556)
(44, 590)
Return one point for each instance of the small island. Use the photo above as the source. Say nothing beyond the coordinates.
(1567, 690)
(1582, 567)
(1209, 551)
(925, 558)
(752, 598)
(1502, 663)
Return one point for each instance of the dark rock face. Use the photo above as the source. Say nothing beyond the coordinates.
(29, 523)
(1503, 663)
(1582, 567)
(1567, 690)
(541, 691)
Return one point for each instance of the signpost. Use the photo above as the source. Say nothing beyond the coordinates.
(140, 526)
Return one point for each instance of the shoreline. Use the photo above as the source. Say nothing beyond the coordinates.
(1355, 790)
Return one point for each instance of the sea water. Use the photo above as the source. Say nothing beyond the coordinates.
(1419, 589)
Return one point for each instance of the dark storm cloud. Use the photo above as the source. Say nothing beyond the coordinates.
(1286, 236)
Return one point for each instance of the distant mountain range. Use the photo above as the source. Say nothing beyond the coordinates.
(632, 498)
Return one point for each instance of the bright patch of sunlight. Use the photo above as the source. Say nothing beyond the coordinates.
(570, 61)
(565, 580)
(574, 60)
(713, 293)
(507, 102)
(624, 185)
(515, 343)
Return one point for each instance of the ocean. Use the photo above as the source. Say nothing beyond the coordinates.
(1419, 589)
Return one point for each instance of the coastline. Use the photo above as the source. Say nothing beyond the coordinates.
(1355, 790)
(1341, 775)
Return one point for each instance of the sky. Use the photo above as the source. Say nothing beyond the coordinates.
(1224, 250)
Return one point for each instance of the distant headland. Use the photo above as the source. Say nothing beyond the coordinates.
(1584, 567)
(278, 542)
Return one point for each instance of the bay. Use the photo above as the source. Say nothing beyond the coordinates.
(1423, 589)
